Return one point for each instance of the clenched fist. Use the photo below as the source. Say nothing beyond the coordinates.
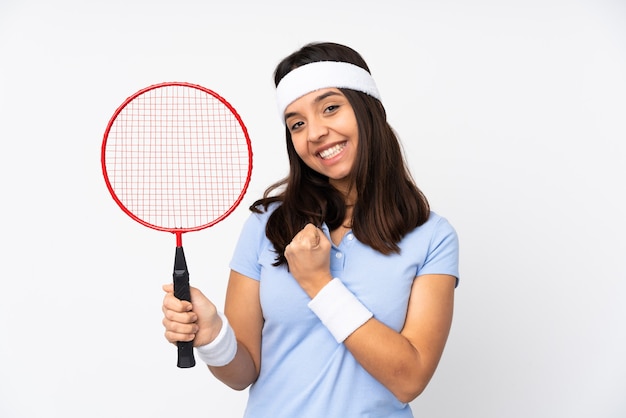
(308, 256)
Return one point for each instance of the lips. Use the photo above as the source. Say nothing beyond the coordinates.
(332, 151)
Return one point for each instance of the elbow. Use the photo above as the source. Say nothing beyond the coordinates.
(407, 389)
(238, 387)
(237, 384)
(410, 381)
(407, 395)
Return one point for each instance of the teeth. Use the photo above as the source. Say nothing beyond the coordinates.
(331, 152)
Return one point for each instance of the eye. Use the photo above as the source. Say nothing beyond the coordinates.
(295, 126)
(331, 108)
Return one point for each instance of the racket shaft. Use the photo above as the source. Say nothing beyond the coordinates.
(182, 292)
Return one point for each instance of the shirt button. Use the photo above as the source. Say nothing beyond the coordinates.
(339, 255)
(350, 237)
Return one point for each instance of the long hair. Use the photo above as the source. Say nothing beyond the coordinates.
(388, 205)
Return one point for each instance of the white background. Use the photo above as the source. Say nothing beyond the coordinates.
(513, 117)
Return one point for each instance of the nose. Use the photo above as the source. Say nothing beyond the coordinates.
(317, 130)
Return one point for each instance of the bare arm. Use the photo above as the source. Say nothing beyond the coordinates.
(404, 362)
(198, 321)
(243, 310)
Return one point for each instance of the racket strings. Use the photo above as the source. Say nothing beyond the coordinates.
(177, 157)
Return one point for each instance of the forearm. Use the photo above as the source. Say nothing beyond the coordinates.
(243, 310)
(391, 359)
(240, 372)
(405, 361)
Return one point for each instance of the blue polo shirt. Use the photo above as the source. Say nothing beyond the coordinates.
(305, 373)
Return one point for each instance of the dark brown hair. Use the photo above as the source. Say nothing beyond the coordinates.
(389, 204)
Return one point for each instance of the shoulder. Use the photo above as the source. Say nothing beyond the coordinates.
(435, 233)
(261, 213)
(256, 222)
(435, 225)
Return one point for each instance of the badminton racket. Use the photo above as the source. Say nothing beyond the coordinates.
(176, 157)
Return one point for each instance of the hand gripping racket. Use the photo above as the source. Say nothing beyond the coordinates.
(176, 157)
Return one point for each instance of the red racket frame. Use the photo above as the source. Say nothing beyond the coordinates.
(177, 231)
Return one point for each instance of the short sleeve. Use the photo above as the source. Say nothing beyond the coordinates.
(245, 259)
(443, 251)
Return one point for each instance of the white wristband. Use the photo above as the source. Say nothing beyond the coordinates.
(339, 310)
(222, 349)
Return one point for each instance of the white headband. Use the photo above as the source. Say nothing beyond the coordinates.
(320, 75)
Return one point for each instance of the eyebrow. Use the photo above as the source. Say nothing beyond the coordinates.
(317, 100)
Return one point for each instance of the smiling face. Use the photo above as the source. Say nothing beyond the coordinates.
(324, 132)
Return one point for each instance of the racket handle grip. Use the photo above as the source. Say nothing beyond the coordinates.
(182, 292)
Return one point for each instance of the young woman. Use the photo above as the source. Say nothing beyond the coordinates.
(341, 291)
